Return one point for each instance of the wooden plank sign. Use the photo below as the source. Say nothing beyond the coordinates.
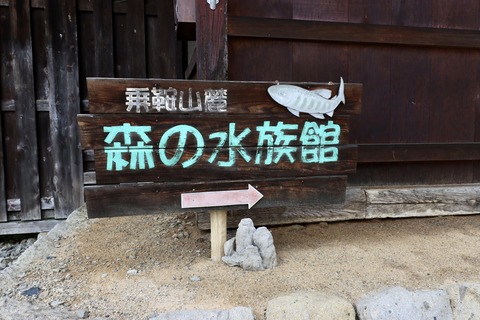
(156, 141)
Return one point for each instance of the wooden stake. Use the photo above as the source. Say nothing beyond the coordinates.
(218, 231)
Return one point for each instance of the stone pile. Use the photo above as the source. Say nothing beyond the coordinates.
(11, 250)
(252, 248)
(455, 302)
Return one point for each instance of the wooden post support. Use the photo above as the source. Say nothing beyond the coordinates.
(218, 221)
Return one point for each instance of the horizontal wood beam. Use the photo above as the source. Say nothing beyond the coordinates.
(161, 198)
(376, 153)
(367, 203)
(108, 95)
(26, 227)
(303, 30)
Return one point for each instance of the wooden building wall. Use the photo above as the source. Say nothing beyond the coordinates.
(418, 134)
(47, 49)
(419, 62)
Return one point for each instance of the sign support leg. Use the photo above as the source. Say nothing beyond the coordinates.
(218, 232)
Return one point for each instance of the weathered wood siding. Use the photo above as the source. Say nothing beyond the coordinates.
(419, 63)
(47, 49)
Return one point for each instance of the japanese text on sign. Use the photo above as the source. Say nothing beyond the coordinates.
(173, 100)
(275, 143)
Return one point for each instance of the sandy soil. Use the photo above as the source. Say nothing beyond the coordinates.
(90, 269)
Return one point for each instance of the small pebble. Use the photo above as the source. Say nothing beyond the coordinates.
(132, 272)
(56, 303)
(82, 314)
(33, 291)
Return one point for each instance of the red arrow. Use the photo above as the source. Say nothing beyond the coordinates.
(248, 196)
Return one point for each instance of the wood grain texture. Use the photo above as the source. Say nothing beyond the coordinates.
(148, 198)
(218, 235)
(44, 94)
(103, 40)
(352, 33)
(108, 95)
(202, 170)
(366, 203)
(354, 207)
(66, 151)
(163, 49)
(5, 65)
(26, 227)
(27, 149)
(211, 41)
(93, 134)
(467, 194)
(380, 153)
(135, 33)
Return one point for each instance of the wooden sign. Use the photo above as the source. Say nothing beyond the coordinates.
(155, 141)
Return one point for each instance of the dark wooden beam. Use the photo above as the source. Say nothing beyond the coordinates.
(5, 86)
(27, 148)
(103, 37)
(24, 227)
(211, 36)
(303, 30)
(108, 95)
(136, 67)
(158, 198)
(66, 151)
(376, 153)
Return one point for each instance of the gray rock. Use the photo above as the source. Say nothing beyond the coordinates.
(254, 248)
(82, 314)
(3, 264)
(233, 260)
(229, 247)
(309, 305)
(263, 239)
(252, 260)
(465, 301)
(33, 291)
(238, 313)
(56, 303)
(244, 236)
(400, 304)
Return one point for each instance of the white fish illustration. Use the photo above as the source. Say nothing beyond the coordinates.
(315, 102)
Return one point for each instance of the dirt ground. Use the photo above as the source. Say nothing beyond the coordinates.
(135, 267)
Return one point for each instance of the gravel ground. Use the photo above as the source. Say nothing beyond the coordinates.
(138, 267)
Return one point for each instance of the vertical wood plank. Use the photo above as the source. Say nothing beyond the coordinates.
(26, 152)
(218, 232)
(4, 49)
(68, 172)
(453, 102)
(86, 45)
(163, 59)
(411, 102)
(259, 59)
(360, 60)
(136, 66)
(211, 35)
(43, 78)
(103, 37)
(320, 61)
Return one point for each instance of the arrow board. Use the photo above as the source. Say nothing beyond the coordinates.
(248, 196)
